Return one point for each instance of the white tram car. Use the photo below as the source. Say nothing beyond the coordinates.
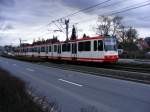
(93, 49)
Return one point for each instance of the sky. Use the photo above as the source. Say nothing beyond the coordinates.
(32, 19)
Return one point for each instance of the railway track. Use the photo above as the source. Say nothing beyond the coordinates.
(133, 68)
(124, 67)
(132, 72)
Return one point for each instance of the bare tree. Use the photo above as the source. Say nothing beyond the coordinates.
(122, 34)
(109, 25)
(116, 24)
(104, 26)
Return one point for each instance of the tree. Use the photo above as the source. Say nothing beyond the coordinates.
(122, 34)
(73, 35)
(109, 25)
(116, 24)
(131, 35)
(84, 35)
(104, 26)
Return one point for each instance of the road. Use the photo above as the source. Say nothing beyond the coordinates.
(75, 90)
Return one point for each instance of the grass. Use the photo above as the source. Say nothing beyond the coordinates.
(15, 98)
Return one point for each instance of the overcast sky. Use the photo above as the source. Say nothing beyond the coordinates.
(29, 19)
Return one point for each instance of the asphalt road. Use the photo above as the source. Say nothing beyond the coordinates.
(75, 90)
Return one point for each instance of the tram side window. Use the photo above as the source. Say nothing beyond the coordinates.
(38, 49)
(42, 49)
(84, 46)
(50, 50)
(35, 49)
(46, 49)
(63, 47)
(100, 45)
(80, 46)
(26, 49)
(95, 45)
(30, 49)
(87, 46)
(66, 47)
(55, 48)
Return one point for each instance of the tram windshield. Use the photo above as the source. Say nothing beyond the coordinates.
(110, 44)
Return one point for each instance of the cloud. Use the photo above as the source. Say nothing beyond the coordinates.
(29, 18)
(79, 4)
(131, 17)
(8, 27)
(7, 2)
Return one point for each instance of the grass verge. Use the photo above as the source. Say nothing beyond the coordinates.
(14, 97)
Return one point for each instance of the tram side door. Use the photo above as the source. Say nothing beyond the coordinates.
(74, 51)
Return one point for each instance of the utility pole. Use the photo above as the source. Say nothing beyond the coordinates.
(20, 40)
(67, 26)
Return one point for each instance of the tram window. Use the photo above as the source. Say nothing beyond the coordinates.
(26, 50)
(87, 46)
(42, 49)
(68, 47)
(84, 46)
(64, 47)
(50, 49)
(38, 49)
(55, 48)
(80, 46)
(34, 49)
(100, 45)
(95, 45)
(30, 49)
(46, 49)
